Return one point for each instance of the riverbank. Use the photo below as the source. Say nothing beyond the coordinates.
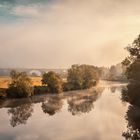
(98, 88)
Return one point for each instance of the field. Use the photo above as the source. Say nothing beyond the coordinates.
(4, 81)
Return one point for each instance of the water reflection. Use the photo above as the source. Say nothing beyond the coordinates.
(20, 115)
(87, 114)
(78, 106)
(131, 94)
(113, 89)
(96, 116)
(52, 105)
(83, 103)
(133, 126)
(79, 102)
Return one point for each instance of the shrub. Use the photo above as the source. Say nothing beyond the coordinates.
(2, 93)
(20, 85)
(40, 89)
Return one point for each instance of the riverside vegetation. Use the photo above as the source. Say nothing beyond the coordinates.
(131, 93)
(79, 77)
(79, 102)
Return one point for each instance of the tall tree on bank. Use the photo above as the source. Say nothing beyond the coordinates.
(132, 93)
(133, 61)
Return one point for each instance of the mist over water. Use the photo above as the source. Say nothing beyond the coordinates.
(75, 115)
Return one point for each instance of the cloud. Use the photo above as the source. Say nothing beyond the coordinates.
(18, 10)
(25, 2)
(67, 32)
(26, 11)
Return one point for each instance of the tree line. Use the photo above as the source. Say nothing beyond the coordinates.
(79, 77)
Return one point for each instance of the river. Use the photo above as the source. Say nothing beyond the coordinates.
(94, 114)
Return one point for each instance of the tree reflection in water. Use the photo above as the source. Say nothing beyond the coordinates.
(52, 105)
(133, 126)
(20, 114)
(78, 106)
(113, 89)
(132, 95)
(83, 103)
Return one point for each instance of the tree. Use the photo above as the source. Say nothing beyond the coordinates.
(133, 123)
(133, 71)
(132, 93)
(133, 61)
(20, 86)
(75, 77)
(53, 82)
(112, 73)
(82, 76)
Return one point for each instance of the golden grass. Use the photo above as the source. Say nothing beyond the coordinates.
(4, 81)
(36, 81)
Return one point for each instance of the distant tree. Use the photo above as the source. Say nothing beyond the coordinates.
(112, 73)
(53, 82)
(82, 76)
(104, 73)
(20, 86)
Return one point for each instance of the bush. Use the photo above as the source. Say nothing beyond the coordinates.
(20, 85)
(2, 93)
(68, 87)
(40, 89)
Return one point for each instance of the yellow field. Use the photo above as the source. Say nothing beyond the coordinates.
(4, 81)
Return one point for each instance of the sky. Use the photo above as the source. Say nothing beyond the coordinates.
(59, 33)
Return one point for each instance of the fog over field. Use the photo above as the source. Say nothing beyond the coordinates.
(58, 33)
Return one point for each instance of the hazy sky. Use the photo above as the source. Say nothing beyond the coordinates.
(58, 33)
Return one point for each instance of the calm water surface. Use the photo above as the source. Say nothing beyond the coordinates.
(95, 114)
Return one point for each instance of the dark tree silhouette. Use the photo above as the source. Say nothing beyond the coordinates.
(133, 125)
(133, 61)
